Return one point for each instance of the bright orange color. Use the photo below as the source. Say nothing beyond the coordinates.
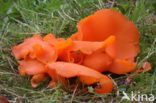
(106, 22)
(101, 59)
(86, 75)
(35, 47)
(122, 66)
(37, 79)
(98, 61)
(63, 49)
(105, 41)
(50, 38)
(87, 47)
(31, 67)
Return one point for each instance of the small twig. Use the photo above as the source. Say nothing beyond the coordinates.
(68, 16)
(9, 91)
(11, 66)
(7, 73)
(153, 81)
(30, 91)
(74, 93)
(114, 84)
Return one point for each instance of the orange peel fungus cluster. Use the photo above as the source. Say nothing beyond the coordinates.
(105, 41)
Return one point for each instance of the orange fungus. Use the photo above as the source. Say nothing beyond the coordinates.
(107, 22)
(86, 75)
(105, 41)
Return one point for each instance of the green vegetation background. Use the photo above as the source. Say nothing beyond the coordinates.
(20, 19)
